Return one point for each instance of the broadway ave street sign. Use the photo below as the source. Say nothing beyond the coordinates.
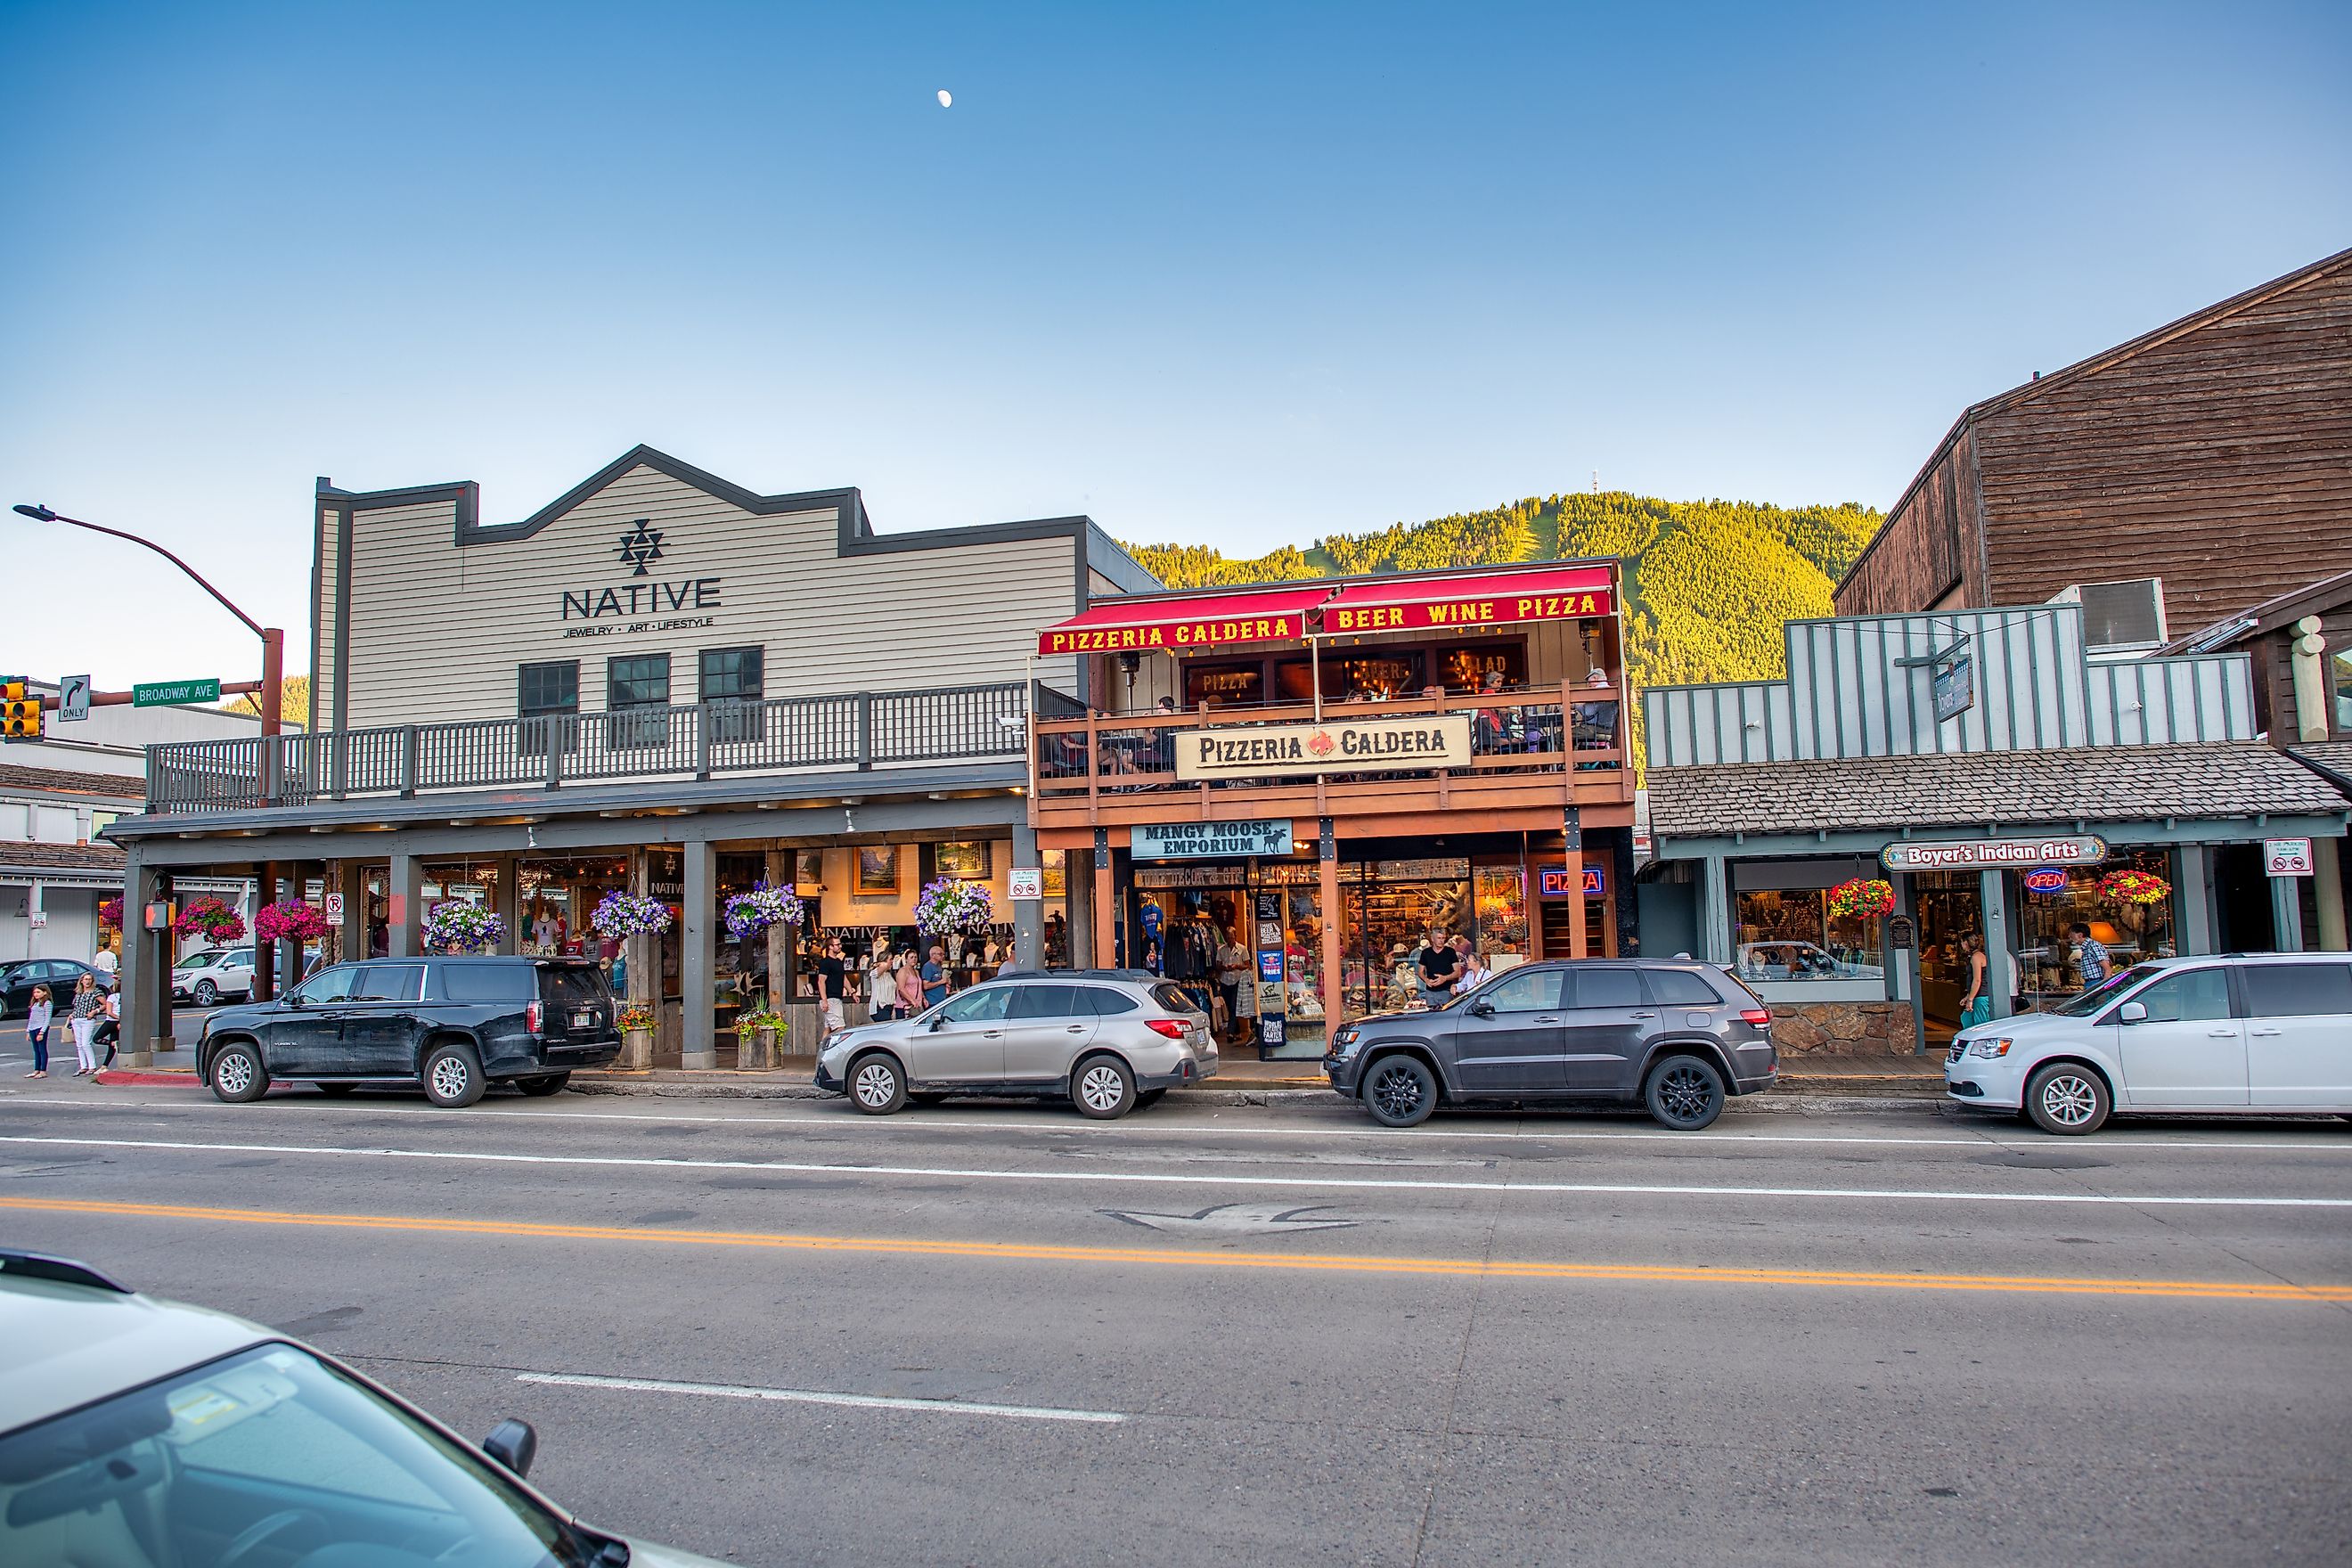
(171, 693)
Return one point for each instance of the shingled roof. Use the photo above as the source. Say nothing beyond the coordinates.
(61, 781)
(61, 857)
(2092, 783)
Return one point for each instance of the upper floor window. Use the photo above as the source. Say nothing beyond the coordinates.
(543, 691)
(638, 681)
(734, 676)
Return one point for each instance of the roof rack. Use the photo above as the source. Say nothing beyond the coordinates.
(59, 1270)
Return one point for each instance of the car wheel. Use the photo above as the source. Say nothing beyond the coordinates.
(453, 1076)
(1401, 1091)
(930, 1097)
(206, 993)
(877, 1086)
(2066, 1097)
(336, 1090)
(1685, 1093)
(545, 1084)
(1103, 1088)
(237, 1075)
(1149, 1097)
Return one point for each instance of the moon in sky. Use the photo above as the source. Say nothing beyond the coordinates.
(946, 98)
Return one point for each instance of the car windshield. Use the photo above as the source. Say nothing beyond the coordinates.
(2091, 1001)
(269, 1455)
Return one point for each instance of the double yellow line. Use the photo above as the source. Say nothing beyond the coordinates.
(1025, 1252)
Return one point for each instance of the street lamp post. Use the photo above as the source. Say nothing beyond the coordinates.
(273, 690)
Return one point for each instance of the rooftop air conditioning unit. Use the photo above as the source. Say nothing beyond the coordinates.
(2119, 619)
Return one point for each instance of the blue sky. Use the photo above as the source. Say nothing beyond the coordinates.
(1238, 275)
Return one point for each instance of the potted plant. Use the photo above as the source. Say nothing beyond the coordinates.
(636, 1036)
(289, 919)
(456, 926)
(755, 1039)
(1864, 897)
(209, 918)
(950, 906)
(621, 915)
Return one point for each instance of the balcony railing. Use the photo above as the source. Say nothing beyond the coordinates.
(1529, 738)
(862, 730)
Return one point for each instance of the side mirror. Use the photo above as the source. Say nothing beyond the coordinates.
(937, 1021)
(1483, 1008)
(513, 1444)
(2132, 1013)
(294, 999)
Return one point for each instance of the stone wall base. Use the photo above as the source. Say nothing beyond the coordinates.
(1843, 1029)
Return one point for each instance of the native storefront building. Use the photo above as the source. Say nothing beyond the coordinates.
(661, 683)
(2001, 784)
(1320, 775)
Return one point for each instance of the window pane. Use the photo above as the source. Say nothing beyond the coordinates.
(548, 688)
(985, 1005)
(390, 983)
(334, 985)
(1609, 988)
(1106, 1002)
(1174, 999)
(637, 682)
(1786, 933)
(2297, 990)
(1045, 1002)
(731, 673)
(1682, 988)
(487, 983)
(2198, 993)
(574, 984)
(1524, 991)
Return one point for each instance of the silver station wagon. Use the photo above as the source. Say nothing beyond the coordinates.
(1111, 1040)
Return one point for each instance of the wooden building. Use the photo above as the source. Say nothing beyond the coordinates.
(2160, 457)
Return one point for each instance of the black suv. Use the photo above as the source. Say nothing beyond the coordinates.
(1677, 1037)
(454, 1025)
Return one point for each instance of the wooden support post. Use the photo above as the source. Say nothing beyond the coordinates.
(1105, 908)
(1326, 866)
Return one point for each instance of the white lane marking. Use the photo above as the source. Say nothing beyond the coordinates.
(2325, 1141)
(804, 1167)
(817, 1396)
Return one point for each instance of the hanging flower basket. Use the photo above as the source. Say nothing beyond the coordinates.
(460, 927)
(289, 919)
(749, 914)
(2134, 887)
(620, 915)
(948, 905)
(109, 914)
(636, 1018)
(1864, 897)
(208, 917)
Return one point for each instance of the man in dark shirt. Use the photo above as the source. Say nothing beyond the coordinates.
(1440, 967)
(831, 973)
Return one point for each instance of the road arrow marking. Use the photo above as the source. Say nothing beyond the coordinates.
(1233, 1219)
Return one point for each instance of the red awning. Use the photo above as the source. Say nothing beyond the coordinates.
(1178, 623)
(1471, 599)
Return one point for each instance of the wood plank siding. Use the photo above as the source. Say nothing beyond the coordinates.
(2161, 458)
(437, 629)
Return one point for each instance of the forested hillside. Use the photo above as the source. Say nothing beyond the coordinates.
(1708, 583)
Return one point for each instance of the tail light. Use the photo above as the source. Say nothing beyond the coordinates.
(1171, 1028)
(1759, 1016)
(531, 1016)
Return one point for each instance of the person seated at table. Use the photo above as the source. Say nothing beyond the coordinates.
(1596, 720)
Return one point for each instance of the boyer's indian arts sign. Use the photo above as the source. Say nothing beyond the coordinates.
(1335, 746)
(1994, 854)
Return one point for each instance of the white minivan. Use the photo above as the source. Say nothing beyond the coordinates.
(2236, 1033)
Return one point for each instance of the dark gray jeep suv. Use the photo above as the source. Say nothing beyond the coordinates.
(453, 1025)
(1677, 1037)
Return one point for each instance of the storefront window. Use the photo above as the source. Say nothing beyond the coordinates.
(2050, 955)
(1224, 684)
(2339, 669)
(1786, 933)
(1500, 894)
(1473, 666)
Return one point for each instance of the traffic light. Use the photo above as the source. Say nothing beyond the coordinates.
(20, 710)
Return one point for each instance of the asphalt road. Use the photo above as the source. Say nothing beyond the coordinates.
(779, 1332)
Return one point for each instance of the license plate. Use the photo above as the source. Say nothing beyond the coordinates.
(585, 1020)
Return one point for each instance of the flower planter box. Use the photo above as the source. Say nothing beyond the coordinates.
(637, 1050)
(755, 1050)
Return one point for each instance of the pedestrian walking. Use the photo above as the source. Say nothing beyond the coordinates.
(1440, 966)
(89, 1007)
(37, 1030)
(105, 962)
(881, 985)
(832, 983)
(911, 985)
(109, 1028)
(1976, 1003)
(2090, 957)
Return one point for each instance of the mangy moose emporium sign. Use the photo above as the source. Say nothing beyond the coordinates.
(1342, 746)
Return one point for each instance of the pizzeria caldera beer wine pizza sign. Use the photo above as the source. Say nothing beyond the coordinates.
(1341, 746)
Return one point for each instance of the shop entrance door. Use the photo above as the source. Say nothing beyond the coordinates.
(1950, 906)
